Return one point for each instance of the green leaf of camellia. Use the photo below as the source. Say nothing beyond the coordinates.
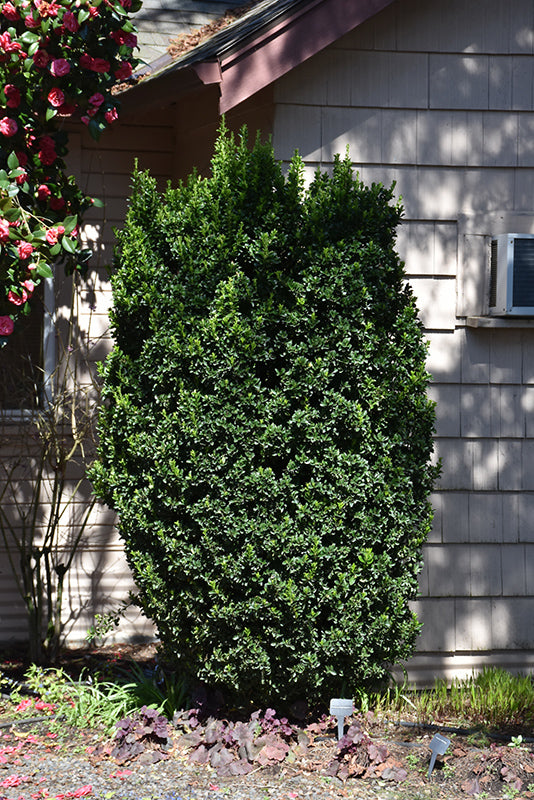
(55, 249)
(29, 38)
(43, 269)
(97, 202)
(12, 161)
(95, 129)
(119, 10)
(69, 223)
(84, 256)
(68, 244)
(50, 113)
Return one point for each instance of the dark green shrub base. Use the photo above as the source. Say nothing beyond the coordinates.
(265, 434)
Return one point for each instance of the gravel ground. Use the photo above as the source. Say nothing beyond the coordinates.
(66, 777)
(34, 767)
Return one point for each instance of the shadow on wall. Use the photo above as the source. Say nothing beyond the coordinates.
(47, 516)
(477, 582)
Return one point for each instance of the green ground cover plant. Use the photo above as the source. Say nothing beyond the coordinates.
(265, 434)
(86, 702)
(493, 699)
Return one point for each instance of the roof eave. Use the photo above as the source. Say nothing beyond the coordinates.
(246, 69)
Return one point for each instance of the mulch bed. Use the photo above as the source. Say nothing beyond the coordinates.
(35, 764)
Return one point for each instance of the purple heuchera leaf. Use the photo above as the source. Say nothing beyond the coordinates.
(241, 767)
(200, 755)
(220, 758)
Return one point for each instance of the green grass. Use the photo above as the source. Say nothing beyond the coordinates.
(95, 702)
(492, 699)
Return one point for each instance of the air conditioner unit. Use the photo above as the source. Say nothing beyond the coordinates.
(512, 275)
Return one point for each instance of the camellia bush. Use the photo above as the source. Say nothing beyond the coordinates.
(58, 60)
(265, 431)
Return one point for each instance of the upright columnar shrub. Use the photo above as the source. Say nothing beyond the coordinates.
(265, 432)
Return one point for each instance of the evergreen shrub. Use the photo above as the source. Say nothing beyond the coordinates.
(265, 431)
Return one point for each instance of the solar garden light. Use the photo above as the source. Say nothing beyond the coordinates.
(438, 746)
(341, 708)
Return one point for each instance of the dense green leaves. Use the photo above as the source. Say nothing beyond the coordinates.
(265, 432)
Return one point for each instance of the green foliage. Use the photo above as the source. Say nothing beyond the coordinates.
(265, 431)
(494, 698)
(161, 689)
(80, 703)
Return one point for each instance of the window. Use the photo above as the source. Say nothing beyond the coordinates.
(29, 356)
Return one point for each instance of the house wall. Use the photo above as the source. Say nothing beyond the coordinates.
(439, 98)
(100, 579)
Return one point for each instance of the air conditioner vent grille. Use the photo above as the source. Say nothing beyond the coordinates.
(523, 288)
(493, 274)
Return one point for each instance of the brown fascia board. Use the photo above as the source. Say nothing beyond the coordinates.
(263, 59)
(290, 43)
(168, 88)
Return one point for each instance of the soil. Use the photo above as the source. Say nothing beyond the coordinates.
(475, 764)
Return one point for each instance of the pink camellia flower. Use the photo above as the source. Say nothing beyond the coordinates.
(10, 12)
(21, 179)
(31, 22)
(43, 192)
(41, 59)
(4, 230)
(111, 115)
(24, 250)
(70, 22)
(18, 299)
(56, 98)
(46, 142)
(47, 9)
(67, 109)
(124, 71)
(47, 153)
(97, 99)
(22, 157)
(57, 203)
(29, 285)
(53, 234)
(12, 95)
(47, 157)
(121, 37)
(100, 65)
(59, 67)
(6, 326)
(86, 61)
(8, 126)
(85, 119)
(7, 45)
(93, 11)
